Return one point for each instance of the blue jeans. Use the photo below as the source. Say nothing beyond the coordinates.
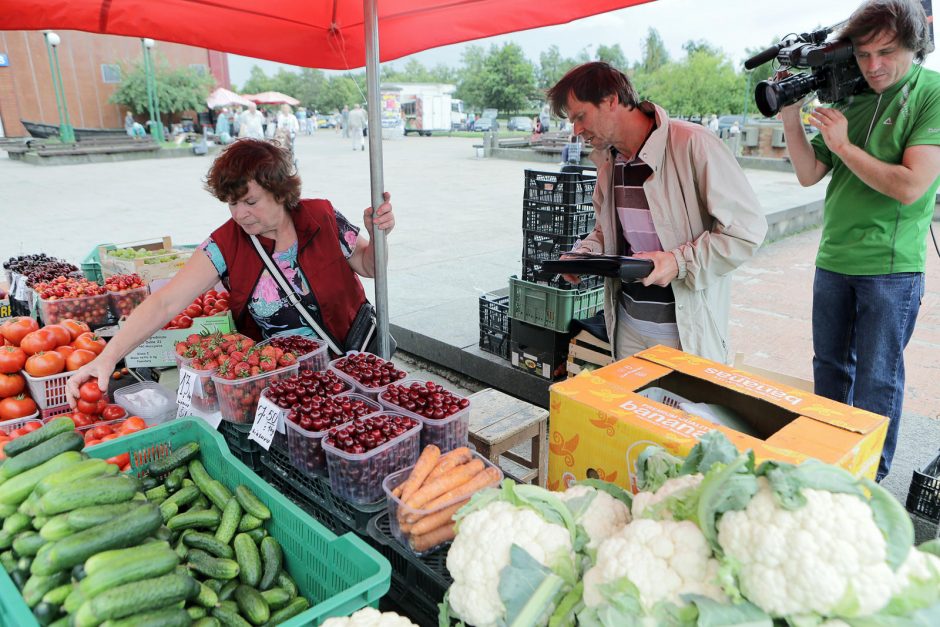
(861, 325)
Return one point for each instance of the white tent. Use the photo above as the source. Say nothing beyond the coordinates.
(222, 97)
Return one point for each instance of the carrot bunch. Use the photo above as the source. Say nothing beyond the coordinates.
(438, 486)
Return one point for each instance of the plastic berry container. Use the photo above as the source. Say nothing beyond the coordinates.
(238, 398)
(304, 447)
(126, 301)
(364, 388)
(447, 433)
(95, 311)
(358, 477)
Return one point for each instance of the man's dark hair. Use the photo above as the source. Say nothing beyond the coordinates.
(905, 18)
(591, 82)
(263, 162)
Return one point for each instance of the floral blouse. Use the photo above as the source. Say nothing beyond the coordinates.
(268, 305)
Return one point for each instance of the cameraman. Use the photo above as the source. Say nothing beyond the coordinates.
(883, 149)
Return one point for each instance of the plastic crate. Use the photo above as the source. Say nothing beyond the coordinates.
(238, 398)
(923, 497)
(550, 307)
(445, 433)
(91, 264)
(559, 188)
(418, 583)
(124, 302)
(7, 426)
(532, 271)
(316, 495)
(95, 311)
(494, 322)
(557, 219)
(338, 574)
(46, 414)
(48, 391)
(247, 451)
(543, 246)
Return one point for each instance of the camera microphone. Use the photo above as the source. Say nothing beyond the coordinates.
(762, 57)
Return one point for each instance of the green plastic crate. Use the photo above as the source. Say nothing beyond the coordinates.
(91, 265)
(338, 574)
(551, 307)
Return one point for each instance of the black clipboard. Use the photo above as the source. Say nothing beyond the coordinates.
(624, 268)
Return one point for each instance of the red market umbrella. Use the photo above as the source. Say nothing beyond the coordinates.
(335, 34)
(272, 97)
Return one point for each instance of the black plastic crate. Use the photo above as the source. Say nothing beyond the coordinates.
(559, 188)
(317, 490)
(923, 498)
(494, 322)
(283, 484)
(418, 583)
(557, 219)
(532, 271)
(236, 436)
(544, 246)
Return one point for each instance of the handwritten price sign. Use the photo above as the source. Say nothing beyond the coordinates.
(184, 393)
(269, 419)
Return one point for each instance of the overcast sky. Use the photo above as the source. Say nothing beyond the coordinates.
(732, 25)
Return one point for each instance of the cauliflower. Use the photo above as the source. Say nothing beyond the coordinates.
(600, 514)
(480, 554)
(370, 617)
(643, 501)
(828, 557)
(663, 559)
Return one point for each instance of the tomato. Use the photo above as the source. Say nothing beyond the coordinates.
(11, 384)
(17, 433)
(17, 406)
(44, 364)
(91, 442)
(81, 420)
(65, 351)
(100, 431)
(89, 342)
(135, 422)
(113, 412)
(110, 436)
(12, 359)
(89, 391)
(37, 341)
(86, 407)
(61, 334)
(14, 329)
(75, 327)
(79, 358)
(100, 405)
(122, 460)
(31, 426)
(184, 322)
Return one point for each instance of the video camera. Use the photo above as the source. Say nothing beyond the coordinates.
(834, 75)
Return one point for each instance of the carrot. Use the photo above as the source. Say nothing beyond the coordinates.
(483, 479)
(435, 520)
(433, 538)
(423, 467)
(444, 483)
(398, 490)
(450, 460)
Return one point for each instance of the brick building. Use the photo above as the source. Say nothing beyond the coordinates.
(90, 65)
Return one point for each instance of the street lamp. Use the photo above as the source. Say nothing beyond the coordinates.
(66, 132)
(153, 102)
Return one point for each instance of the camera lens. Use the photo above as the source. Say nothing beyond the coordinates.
(766, 97)
(771, 96)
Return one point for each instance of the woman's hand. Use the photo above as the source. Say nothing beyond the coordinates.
(99, 368)
(384, 218)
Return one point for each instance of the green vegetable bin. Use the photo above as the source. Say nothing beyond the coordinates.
(338, 574)
(551, 307)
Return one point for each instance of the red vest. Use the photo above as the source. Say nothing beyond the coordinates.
(336, 287)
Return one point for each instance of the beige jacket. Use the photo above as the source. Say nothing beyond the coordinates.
(705, 213)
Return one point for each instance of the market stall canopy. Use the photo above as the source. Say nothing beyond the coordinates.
(309, 33)
(272, 97)
(222, 97)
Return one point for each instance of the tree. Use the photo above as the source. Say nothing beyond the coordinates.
(509, 82)
(551, 67)
(701, 84)
(470, 88)
(257, 82)
(699, 45)
(612, 55)
(655, 54)
(178, 89)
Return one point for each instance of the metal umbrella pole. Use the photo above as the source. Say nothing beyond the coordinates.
(371, 20)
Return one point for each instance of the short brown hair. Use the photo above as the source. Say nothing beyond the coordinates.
(263, 162)
(592, 82)
(905, 18)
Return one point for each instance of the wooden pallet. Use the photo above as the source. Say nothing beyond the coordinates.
(586, 352)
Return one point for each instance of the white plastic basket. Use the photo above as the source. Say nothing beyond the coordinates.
(48, 391)
(667, 398)
(8, 426)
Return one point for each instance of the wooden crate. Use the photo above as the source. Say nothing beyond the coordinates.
(586, 352)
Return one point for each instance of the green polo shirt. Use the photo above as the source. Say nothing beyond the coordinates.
(864, 231)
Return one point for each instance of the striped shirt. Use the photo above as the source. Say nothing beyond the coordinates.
(649, 310)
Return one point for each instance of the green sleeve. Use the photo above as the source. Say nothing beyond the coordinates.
(823, 154)
(926, 127)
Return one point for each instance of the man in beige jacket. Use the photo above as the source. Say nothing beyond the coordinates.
(668, 191)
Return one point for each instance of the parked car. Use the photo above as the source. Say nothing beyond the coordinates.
(326, 122)
(726, 121)
(486, 124)
(520, 123)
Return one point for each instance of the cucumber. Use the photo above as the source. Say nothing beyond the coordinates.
(207, 621)
(56, 528)
(127, 529)
(39, 521)
(258, 534)
(27, 544)
(41, 453)
(98, 491)
(215, 584)
(173, 617)
(208, 543)
(7, 510)
(85, 469)
(37, 586)
(272, 560)
(276, 598)
(6, 539)
(8, 561)
(251, 503)
(14, 491)
(230, 604)
(285, 581)
(249, 522)
(57, 596)
(292, 609)
(203, 519)
(207, 597)
(252, 605)
(79, 572)
(231, 515)
(180, 456)
(87, 517)
(174, 480)
(73, 601)
(24, 563)
(157, 494)
(44, 433)
(228, 590)
(249, 560)
(139, 596)
(229, 617)
(16, 523)
(29, 505)
(196, 612)
(149, 482)
(184, 496)
(212, 567)
(129, 565)
(45, 613)
(168, 510)
(218, 494)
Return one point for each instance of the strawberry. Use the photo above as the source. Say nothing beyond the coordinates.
(193, 338)
(181, 348)
(253, 358)
(287, 359)
(237, 356)
(267, 364)
(242, 370)
(255, 370)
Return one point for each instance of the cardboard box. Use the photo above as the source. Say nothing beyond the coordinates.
(537, 350)
(158, 351)
(169, 260)
(6, 310)
(600, 424)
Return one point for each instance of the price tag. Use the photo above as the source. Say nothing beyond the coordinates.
(184, 393)
(269, 419)
(19, 287)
